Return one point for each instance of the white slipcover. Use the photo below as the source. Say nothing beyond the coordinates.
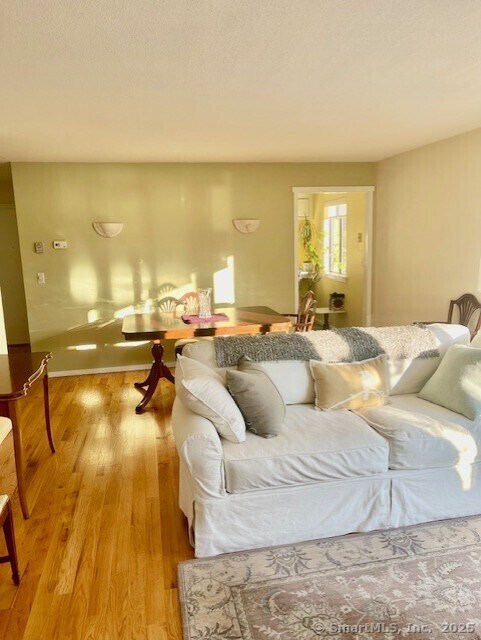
(312, 446)
(244, 496)
(5, 428)
(424, 439)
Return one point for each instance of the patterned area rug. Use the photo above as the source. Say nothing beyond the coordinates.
(418, 582)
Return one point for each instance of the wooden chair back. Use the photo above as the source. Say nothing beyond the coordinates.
(467, 305)
(190, 302)
(306, 313)
(168, 305)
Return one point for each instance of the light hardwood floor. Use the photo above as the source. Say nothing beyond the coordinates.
(98, 556)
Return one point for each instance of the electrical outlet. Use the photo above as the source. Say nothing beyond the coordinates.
(40, 278)
(38, 246)
(59, 244)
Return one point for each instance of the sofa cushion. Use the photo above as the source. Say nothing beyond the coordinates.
(312, 446)
(423, 435)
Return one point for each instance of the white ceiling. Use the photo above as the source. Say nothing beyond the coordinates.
(235, 80)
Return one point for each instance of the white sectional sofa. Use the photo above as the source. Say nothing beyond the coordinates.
(328, 472)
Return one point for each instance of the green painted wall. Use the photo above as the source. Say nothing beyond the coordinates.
(177, 231)
(6, 184)
(11, 280)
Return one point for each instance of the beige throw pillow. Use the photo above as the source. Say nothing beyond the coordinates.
(351, 385)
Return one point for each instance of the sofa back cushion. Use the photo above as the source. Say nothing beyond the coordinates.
(295, 382)
(410, 376)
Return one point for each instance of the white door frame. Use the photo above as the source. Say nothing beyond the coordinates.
(368, 242)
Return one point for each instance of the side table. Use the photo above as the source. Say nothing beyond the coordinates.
(20, 372)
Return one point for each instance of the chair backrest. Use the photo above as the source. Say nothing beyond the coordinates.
(168, 305)
(190, 302)
(467, 304)
(306, 312)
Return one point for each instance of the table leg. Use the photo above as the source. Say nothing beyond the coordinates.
(326, 322)
(19, 465)
(147, 381)
(46, 405)
(159, 370)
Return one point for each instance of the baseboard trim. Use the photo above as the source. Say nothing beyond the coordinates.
(86, 372)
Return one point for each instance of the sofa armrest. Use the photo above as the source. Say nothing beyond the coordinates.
(199, 447)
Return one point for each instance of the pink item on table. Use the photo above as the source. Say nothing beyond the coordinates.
(217, 317)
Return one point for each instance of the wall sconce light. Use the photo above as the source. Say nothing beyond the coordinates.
(246, 225)
(108, 229)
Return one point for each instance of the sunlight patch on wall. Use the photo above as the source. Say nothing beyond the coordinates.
(224, 283)
(191, 285)
(121, 283)
(92, 315)
(126, 311)
(145, 279)
(83, 284)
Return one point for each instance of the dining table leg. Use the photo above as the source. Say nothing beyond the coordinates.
(158, 370)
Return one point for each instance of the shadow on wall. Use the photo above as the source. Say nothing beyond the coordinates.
(99, 341)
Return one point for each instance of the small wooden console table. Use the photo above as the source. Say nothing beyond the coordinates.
(326, 312)
(161, 326)
(19, 372)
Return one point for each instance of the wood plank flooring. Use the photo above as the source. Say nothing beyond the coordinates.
(98, 556)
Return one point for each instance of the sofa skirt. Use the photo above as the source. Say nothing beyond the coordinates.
(272, 517)
(321, 510)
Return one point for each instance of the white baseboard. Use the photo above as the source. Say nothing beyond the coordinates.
(85, 372)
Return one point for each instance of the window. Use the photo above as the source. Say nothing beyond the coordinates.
(335, 239)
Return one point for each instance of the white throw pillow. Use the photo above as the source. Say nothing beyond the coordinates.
(203, 391)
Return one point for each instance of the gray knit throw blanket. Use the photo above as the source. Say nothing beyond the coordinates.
(337, 345)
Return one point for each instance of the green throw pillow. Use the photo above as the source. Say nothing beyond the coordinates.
(257, 397)
(456, 384)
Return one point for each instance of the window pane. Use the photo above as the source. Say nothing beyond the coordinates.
(343, 269)
(335, 239)
(326, 245)
(336, 245)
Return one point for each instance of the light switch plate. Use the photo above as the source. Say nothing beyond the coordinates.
(40, 278)
(59, 244)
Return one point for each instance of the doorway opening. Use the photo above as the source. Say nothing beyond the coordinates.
(333, 252)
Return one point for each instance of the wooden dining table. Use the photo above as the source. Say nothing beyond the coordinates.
(157, 326)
